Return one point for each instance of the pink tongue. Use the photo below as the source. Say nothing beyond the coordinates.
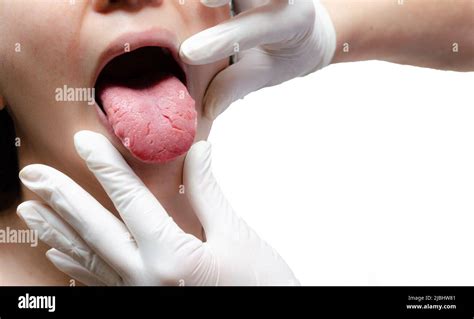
(156, 122)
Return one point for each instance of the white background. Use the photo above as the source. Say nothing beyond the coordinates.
(359, 174)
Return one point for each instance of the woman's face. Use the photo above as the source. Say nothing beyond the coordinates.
(57, 44)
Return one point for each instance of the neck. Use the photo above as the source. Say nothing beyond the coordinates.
(22, 264)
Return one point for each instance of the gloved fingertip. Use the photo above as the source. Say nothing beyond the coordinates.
(184, 52)
(21, 209)
(30, 173)
(189, 52)
(49, 252)
(85, 142)
(55, 255)
(26, 211)
(81, 134)
(79, 142)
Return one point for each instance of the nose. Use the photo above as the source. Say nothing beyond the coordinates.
(105, 5)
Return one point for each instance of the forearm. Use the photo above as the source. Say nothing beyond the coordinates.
(428, 33)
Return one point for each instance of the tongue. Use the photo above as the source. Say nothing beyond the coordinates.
(155, 118)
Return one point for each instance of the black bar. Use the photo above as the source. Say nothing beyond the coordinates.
(314, 302)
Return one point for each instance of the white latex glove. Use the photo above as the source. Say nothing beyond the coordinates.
(274, 42)
(147, 248)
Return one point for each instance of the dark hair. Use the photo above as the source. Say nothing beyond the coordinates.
(9, 182)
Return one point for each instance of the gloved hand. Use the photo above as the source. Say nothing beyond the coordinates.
(274, 42)
(147, 248)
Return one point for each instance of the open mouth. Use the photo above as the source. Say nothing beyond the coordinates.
(144, 97)
(140, 67)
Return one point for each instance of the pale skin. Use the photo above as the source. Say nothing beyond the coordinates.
(424, 33)
(419, 33)
(61, 44)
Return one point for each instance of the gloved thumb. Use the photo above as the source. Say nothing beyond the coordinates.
(203, 192)
(251, 73)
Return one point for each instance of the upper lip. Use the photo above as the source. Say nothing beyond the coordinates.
(156, 37)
